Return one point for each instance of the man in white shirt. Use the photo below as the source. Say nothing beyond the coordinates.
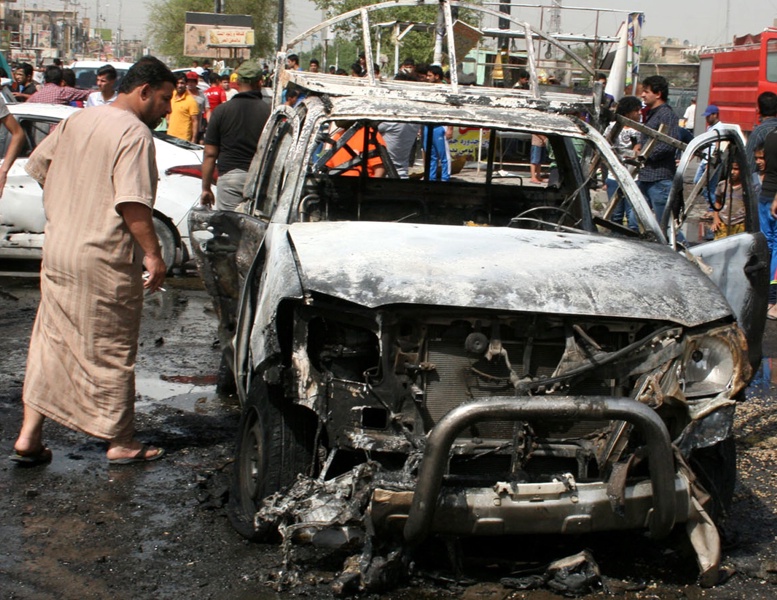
(689, 117)
(106, 82)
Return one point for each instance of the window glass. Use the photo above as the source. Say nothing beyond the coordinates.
(771, 60)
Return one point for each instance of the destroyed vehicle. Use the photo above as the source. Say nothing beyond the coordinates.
(478, 356)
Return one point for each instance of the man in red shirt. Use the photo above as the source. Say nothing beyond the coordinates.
(215, 94)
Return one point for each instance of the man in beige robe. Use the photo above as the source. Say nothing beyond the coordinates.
(98, 172)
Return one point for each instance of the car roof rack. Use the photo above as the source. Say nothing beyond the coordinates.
(543, 97)
(337, 85)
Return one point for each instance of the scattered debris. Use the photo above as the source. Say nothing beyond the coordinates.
(571, 576)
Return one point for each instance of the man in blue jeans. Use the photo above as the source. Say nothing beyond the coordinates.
(655, 178)
(766, 210)
(756, 141)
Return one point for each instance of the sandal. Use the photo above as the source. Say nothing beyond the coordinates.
(140, 456)
(32, 459)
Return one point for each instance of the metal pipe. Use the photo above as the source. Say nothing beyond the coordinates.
(440, 440)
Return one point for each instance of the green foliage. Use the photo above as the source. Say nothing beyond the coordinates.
(167, 19)
(418, 44)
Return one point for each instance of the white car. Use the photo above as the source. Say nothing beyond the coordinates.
(21, 207)
(86, 71)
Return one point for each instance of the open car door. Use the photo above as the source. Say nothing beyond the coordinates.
(713, 213)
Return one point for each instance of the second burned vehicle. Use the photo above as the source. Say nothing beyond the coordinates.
(483, 356)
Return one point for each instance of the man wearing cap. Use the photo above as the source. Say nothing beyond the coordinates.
(231, 139)
(712, 117)
(184, 119)
(192, 84)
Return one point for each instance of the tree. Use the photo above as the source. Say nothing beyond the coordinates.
(418, 44)
(167, 19)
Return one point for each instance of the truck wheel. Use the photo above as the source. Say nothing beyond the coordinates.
(274, 445)
(716, 467)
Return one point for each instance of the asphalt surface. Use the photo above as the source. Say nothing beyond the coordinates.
(78, 528)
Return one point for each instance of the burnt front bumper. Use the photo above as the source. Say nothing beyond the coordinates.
(560, 506)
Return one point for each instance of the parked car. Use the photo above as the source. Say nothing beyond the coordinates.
(21, 208)
(86, 72)
(482, 356)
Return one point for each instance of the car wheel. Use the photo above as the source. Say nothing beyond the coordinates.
(166, 241)
(225, 378)
(715, 467)
(274, 445)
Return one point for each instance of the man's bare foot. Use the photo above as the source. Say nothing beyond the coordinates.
(26, 445)
(533, 180)
(132, 450)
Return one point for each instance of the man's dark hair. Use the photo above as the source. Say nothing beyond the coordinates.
(435, 70)
(69, 77)
(53, 74)
(767, 104)
(408, 62)
(314, 61)
(402, 76)
(628, 104)
(58, 62)
(658, 85)
(356, 69)
(27, 68)
(600, 76)
(293, 58)
(522, 74)
(148, 69)
(108, 71)
(292, 91)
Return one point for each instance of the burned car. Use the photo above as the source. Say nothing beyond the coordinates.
(480, 356)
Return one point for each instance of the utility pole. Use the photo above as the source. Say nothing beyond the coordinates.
(119, 36)
(281, 16)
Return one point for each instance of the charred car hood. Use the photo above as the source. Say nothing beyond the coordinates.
(377, 264)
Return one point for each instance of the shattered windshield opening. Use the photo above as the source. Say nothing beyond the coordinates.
(449, 174)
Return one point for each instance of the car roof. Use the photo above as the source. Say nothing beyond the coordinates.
(37, 109)
(96, 64)
(398, 107)
(504, 107)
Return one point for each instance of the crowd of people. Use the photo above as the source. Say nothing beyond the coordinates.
(725, 198)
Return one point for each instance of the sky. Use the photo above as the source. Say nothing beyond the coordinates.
(702, 22)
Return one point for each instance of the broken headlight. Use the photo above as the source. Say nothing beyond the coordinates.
(709, 365)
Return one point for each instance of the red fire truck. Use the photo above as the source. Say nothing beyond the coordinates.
(732, 77)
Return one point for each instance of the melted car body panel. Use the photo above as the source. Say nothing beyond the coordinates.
(503, 269)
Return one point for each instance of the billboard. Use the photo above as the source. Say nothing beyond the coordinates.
(217, 35)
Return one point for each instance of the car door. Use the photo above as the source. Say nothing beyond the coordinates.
(738, 263)
(226, 244)
(22, 218)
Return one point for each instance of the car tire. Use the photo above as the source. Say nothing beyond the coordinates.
(225, 378)
(167, 242)
(715, 468)
(274, 445)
